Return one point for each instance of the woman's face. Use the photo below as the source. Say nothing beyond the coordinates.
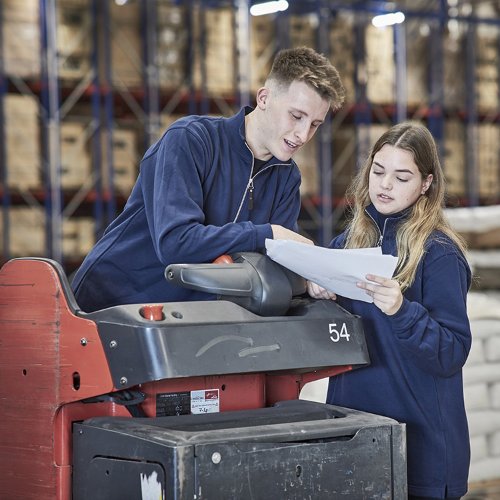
(395, 183)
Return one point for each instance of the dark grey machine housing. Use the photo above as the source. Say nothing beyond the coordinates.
(294, 450)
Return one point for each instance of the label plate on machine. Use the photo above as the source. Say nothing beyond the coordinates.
(188, 402)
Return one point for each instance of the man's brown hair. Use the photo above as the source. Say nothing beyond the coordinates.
(306, 65)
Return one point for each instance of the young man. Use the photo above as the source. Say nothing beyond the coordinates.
(213, 186)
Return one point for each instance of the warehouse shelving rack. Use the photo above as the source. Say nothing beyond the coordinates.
(434, 113)
(321, 213)
(3, 155)
(56, 100)
(107, 100)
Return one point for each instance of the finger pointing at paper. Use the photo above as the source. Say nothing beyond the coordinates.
(385, 292)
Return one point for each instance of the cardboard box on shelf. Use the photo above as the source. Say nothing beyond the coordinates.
(262, 43)
(26, 231)
(75, 157)
(488, 159)
(78, 236)
(453, 160)
(22, 135)
(218, 59)
(25, 11)
(342, 45)
(21, 50)
(125, 161)
(380, 67)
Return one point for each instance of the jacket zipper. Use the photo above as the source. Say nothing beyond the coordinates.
(250, 187)
(250, 194)
(381, 233)
(381, 238)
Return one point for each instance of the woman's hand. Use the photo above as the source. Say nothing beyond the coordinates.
(386, 293)
(318, 292)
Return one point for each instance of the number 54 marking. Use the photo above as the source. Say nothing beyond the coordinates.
(336, 335)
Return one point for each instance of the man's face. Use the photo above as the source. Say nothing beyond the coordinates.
(292, 117)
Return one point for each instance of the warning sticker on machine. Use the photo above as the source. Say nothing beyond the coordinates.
(185, 403)
(205, 401)
(173, 403)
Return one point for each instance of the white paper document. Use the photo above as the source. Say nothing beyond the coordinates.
(337, 270)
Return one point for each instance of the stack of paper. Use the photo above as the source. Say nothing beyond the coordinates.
(337, 270)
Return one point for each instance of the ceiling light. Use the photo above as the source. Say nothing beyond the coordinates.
(261, 9)
(388, 19)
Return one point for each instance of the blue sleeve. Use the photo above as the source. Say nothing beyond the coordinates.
(172, 188)
(437, 331)
(338, 241)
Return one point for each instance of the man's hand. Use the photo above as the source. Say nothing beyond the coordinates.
(282, 233)
(318, 292)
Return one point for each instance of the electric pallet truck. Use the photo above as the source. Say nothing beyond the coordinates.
(184, 400)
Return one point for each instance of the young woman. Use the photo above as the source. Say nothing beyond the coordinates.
(417, 328)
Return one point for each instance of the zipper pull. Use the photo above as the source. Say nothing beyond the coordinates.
(382, 234)
(250, 195)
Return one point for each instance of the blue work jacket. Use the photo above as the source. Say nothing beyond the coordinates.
(417, 356)
(195, 199)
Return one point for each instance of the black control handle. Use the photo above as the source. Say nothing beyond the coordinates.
(253, 281)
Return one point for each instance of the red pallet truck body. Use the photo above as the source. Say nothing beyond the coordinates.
(189, 396)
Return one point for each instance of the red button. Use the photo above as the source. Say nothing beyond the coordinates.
(152, 312)
(224, 259)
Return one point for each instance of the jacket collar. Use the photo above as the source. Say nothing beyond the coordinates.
(380, 219)
(236, 131)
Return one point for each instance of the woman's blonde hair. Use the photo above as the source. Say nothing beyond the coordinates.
(425, 216)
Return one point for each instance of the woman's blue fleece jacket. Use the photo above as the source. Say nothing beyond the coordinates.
(191, 203)
(417, 355)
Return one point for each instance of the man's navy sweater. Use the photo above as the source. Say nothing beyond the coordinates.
(190, 204)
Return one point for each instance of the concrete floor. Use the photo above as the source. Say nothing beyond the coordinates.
(487, 490)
